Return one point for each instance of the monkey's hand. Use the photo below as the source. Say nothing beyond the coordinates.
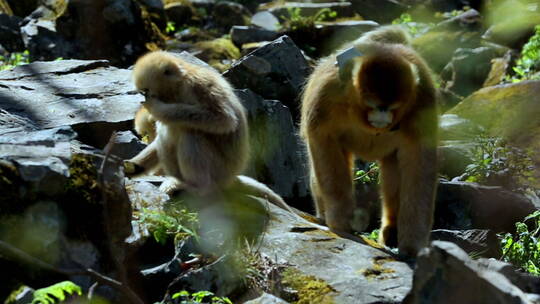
(131, 169)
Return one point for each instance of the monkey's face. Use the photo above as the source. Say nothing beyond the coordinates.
(386, 85)
(158, 76)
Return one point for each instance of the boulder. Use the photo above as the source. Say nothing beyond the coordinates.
(246, 34)
(274, 71)
(227, 14)
(91, 96)
(509, 111)
(468, 69)
(446, 274)
(276, 160)
(463, 206)
(10, 33)
(476, 242)
(305, 9)
(324, 268)
(382, 11)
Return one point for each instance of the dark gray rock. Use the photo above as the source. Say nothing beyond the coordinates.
(266, 298)
(127, 145)
(468, 69)
(274, 71)
(335, 34)
(470, 20)
(91, 96)
(43, 42)
(246, 34)
(463, 206)
(228, 13)
(10, 33)
(476, 242)
(355, 272)
(188, 13)
(525, 281)
(22, 8)
(445, 274)
(281, 9)
(382, 11)
(276, 152)
(266, 20)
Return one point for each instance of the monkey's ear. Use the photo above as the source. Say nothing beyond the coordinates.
(346, 61)
(172, 69)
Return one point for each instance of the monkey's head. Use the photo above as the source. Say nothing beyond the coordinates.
(386, 83)
(158, 75)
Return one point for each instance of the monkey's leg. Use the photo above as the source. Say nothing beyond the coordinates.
(146, 160)
(316, 194)
(332, 167)
(390, 180)
(417, 194)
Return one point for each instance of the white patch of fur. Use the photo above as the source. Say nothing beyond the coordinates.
(380, 119)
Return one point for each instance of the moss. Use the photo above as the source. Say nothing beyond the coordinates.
(378, 271)
(83, 177)
(310, 289)
(219, 52)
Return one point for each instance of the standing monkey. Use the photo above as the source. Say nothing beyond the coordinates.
(375, 101)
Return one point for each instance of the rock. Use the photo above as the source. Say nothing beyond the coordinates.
(22, 8)
(437, 45)
(508, 111)
(274, 71)
(476, 242)
(512, 23)
(91, 96)
(306, 9)
(525, 281)
(454, 157)
(127, 145)
(446, 274)
(266, 298)
(43, 42)
(348, 270)
(228, 13)
(499, 69)
(469, 20)
(334, 34)
(454, 127)
(381, 11)
(464, 206)
(10, 33)
(276, 161)
(245, 34)
(468, 69)
(266, 20)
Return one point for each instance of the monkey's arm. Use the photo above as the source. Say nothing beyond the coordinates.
(146, 160)
(220, 118)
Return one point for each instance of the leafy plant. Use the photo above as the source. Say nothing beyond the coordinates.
(296, 21)
(177, 222)
(529, 61)
(496, 163)
(368, 176)
(14, 59)
(373, 235)
(199, 297)
(55, 293)
(406, 20)
(523, 248)
(171, 27)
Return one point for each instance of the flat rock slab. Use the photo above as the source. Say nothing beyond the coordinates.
(69, 92)
(356, 273)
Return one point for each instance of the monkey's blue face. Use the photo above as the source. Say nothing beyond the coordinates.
(379, 115)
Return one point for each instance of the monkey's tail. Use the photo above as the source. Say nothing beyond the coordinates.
(253, 187)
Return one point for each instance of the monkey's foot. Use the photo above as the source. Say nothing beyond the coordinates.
(388, 236)
(131, 169)
(171, 185)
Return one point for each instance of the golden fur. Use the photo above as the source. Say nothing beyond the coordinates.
(384, 110)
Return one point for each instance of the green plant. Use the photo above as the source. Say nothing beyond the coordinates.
(373, 235)
(523, 248)
(496, 163)
(162, 225)
(171, 27)
(199, 297)
(368, 176)
(14, 59)
(55, 293)
(406, 20)
(296, 21)
(529, 61)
